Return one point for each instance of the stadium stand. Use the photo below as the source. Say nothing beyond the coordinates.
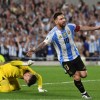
(25, 23)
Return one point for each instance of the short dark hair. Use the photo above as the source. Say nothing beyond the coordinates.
(56, 15)
(32, 80)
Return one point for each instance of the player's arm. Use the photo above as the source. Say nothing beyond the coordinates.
(31, 71)
(39, 79)
(86, 28)
(35, 49)
(47, 41)
(21, 63)
(39, 82)
(89, 28)
(39, 47)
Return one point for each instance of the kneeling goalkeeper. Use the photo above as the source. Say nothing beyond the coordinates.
(10, 72)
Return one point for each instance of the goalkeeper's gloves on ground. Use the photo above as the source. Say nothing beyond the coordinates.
(42, 90)
(28, 63)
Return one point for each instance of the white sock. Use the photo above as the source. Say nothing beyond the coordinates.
(83, 93)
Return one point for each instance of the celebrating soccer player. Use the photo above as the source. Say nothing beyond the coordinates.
(62, 37)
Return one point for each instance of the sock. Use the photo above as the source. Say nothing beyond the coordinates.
(80, 86)
(84, 93)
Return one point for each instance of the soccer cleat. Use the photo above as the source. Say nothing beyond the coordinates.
(86, 96)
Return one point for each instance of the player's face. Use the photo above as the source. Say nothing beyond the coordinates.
(27, 77)
(61, 21)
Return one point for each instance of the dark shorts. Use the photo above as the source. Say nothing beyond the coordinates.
(75, 65)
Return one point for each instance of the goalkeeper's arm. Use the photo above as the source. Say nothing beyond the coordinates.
(21, 63)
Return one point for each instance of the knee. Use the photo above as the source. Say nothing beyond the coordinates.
(84, 75)
(76, 77)
(7, 89)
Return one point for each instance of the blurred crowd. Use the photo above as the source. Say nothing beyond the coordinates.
(25, 23)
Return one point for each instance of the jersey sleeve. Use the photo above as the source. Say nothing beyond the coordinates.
(74, 28)
(39, 80)
(48, 38)
(20, 63)
(16, 63)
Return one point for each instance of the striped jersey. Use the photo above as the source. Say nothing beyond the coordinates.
(92, 47)
(63, 41)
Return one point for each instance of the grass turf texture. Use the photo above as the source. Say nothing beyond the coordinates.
(59, 85)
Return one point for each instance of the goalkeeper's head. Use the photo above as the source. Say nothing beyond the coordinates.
(29, 78)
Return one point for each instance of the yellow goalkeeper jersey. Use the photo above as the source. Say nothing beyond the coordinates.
(16, 69)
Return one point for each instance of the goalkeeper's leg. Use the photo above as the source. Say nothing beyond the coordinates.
(4, 85)
(14, 85)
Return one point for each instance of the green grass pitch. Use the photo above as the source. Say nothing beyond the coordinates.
(59, 85)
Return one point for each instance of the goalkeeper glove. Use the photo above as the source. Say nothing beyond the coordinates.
(42, 90)
(28, 63)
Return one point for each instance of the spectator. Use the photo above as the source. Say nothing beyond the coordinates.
(18, 18)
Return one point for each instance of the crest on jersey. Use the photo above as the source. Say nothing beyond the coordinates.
(68, 31)
(60, 36)
(64, 34)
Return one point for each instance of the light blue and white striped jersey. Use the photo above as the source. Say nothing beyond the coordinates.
(93, 46)
(63, 42)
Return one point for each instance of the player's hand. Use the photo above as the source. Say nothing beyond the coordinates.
(99, 27)
(30, 52)
(42, 90)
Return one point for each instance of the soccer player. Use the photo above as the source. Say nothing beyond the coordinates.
(10, 72)
(62, 37)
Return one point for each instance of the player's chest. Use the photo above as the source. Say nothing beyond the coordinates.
(63, 37)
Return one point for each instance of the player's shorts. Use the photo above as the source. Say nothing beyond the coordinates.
(75, 65)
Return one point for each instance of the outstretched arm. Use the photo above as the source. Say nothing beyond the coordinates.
(21, 63)
(39, 47)
(39, 79)
(89, 28)
(35, 49)
(39, 82)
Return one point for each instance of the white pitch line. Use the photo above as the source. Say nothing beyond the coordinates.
(68, 82)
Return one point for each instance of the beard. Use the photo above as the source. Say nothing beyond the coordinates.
(62, 25)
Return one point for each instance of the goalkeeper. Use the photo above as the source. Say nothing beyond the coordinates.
(10, 72)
